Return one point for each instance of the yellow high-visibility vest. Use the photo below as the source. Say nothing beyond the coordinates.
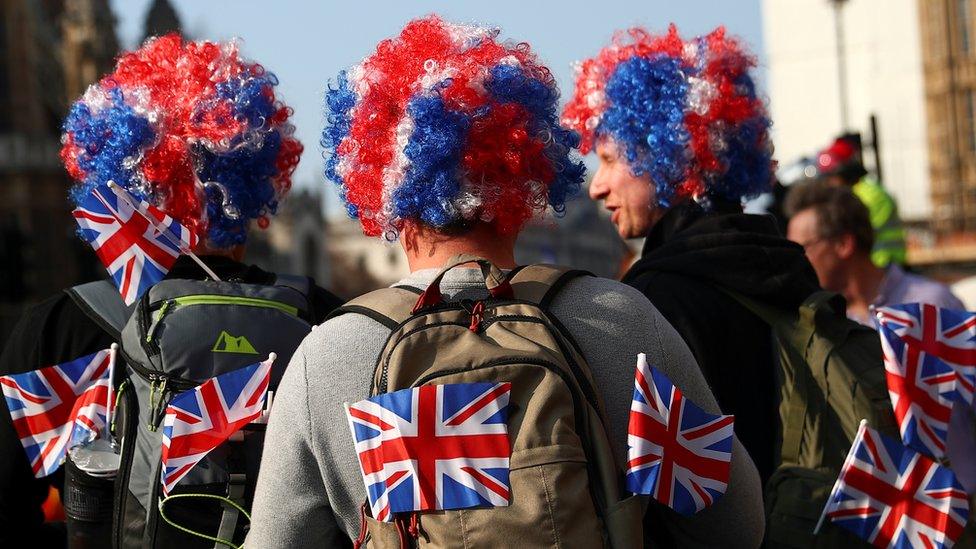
(889, 234)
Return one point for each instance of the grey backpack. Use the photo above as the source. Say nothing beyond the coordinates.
(178, 335)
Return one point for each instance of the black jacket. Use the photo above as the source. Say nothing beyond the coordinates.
(55, 331)
(687, 257)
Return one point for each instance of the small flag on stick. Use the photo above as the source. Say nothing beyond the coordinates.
(57, 407)
(679, 454)
(893, 496)
(199, 420)
(136, 242)
(930, 365)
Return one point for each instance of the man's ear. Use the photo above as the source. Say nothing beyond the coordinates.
(845, 246)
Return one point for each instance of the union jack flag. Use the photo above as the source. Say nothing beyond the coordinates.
(199, 420)
(57, 407)
(930, 363)
(893, 496)
(678, 453)
(136, 253)
(433, 447)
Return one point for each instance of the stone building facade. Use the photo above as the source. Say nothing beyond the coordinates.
(50, 50)
(948, 29)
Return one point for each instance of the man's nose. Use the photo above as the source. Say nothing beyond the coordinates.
(598, 189)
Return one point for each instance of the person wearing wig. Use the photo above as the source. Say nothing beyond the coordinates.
(446, 139)
(682, 139)
(194, 129)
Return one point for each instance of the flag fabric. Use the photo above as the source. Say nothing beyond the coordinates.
(893, 496)
(199, 420)
(930, 363)
(57, 407)
(135, 253)
(433, 447)
(678, 453)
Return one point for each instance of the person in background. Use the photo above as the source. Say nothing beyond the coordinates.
(682, 138)
(840, 164)
(835, 230)
(466, 179)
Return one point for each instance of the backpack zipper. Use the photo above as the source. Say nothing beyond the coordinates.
(205, 299)
(153, 524)
(382, 386)
(160, 386)
(588, 391)
(170, 305)
(577, 410)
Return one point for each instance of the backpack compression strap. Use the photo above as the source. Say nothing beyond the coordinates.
(101, 302)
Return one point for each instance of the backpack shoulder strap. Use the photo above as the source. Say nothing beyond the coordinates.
(101, 302)
(388, 306)
(541, 283)
(301, 284)
(797, 402)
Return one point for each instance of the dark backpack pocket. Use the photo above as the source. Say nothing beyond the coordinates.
(795, 498)
(193, 513)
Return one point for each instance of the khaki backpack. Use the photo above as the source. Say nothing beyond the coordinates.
(831, 376)
(565, 483)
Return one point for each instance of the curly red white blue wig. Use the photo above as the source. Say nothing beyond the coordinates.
(447, 126)
(190, 127)
(682, 112)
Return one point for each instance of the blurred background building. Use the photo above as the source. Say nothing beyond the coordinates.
(904, 73)
(881, 40)
(50, 51)
(949, 70)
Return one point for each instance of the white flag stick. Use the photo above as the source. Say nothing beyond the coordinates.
(113, 352)
(837, 484)
(268, 397)
(135, 205)
(268, 401)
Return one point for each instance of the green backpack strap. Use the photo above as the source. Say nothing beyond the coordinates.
(798, 339)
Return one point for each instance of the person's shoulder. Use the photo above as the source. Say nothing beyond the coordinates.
(602, 299)
(57, 313)
(601, 291)
(926, 290)
(347, 327)
(342, 339)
